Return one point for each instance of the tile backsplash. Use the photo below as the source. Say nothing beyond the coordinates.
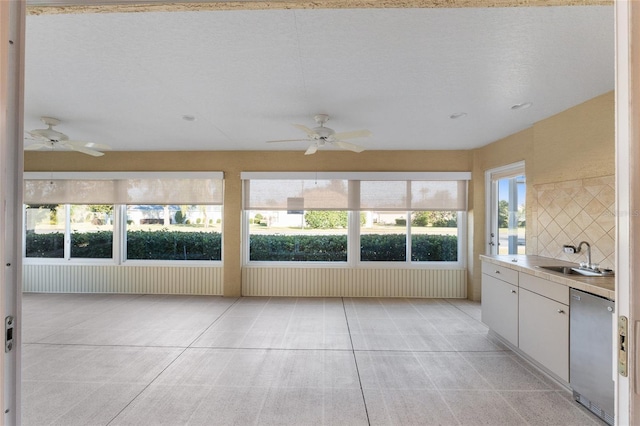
(574, 211)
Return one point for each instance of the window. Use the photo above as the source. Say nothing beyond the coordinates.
(300, 220)
(382, 217)
(45, 230)
(174, 232)
(157, 216)
(91, 231)
(434, 236)
(64, 231)
(383, 237)
(298, 236)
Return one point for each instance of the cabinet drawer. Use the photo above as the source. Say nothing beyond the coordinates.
(546, 288)
(500, 272)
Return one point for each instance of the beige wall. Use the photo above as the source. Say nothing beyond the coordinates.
(233, 162)
(574, 145)
(569, 149)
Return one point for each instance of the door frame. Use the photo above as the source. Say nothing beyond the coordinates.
(12, 21)
(627, 18)
(12, 36)
(491, 178)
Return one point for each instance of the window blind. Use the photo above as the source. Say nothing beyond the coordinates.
(296, 194)
(263, 192)
(126, 188)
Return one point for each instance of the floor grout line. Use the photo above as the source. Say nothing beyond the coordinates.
(166, 367)
(178, 356)
(355, 360)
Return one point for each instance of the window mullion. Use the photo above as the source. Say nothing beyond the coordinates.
(67, 231)
(119, 233)
(408, 240)
(353, 238)
(353, 230)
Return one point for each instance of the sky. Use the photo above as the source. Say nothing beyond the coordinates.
(503, 191)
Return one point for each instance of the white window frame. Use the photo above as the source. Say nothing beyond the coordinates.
(353, 227)
(119, 251)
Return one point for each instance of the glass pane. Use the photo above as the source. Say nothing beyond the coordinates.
(298, 236)
(383, 236)
(511, 215)
(434, 236)
(45, 230)
(174, 232)
(91, 231)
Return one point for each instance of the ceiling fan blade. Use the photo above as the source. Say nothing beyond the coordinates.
(37, 146)
(305, 129)
(349, 146)
(82, 149)
(89, 145)
(289, 140)
(352, 135)
(311, 150)
(36, 136)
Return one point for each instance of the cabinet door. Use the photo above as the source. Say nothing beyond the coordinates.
(544, 332)
(500, 307)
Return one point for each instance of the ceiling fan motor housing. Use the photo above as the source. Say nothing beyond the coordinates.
(50, 134)
(323, 133)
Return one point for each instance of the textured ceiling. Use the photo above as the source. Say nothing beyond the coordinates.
(127, 79)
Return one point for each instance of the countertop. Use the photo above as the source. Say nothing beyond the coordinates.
(602, 286)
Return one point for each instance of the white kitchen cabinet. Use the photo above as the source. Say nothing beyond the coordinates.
(500, 307)
(544, 331)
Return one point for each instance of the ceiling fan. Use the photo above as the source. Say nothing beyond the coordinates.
(52, 139)
(320, 136)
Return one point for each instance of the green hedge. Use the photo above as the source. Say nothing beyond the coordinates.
(434, 248)
(176, 245)
(383, 247)
(374, 247)
(92, 245)
(156, 245)
(282, 248)
(45, 245)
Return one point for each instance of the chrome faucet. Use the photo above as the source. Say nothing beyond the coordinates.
(589, 265)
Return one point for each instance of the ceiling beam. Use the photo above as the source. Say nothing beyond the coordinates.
(41, 7)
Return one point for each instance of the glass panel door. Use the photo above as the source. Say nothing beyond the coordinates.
(506, 210)
(511, 215)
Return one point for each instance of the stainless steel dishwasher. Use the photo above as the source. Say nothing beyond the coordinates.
(591, 353)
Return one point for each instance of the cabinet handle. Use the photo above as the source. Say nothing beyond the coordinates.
(560, 311)
(513, 291)
(497, 272)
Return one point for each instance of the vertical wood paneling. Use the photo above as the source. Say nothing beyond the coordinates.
(333, 282)
(122, 279)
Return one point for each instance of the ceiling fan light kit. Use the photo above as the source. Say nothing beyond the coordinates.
(52, 139)
(321, 135)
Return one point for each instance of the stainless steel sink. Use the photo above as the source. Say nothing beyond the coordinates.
(567, 270)
(570, 270)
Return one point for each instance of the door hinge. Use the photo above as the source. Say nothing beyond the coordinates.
(622, 346)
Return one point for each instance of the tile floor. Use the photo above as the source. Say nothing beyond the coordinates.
(174, 360)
